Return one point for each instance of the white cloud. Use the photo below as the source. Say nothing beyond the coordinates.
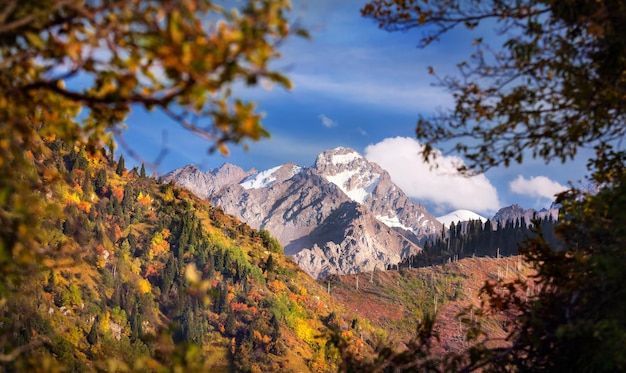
(536, 186)
(443, 187)
(327, 122)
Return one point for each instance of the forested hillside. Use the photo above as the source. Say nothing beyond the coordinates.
(139, 275)
(473, 238)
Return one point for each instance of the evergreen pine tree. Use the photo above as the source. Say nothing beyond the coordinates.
(275, 327)
(111, 152)
(92, 337)
(71, 158)
(136, 329)
(80, 161)
(270, 264)
(169, 274)
(101, 180)
(129, 198)
(51, 285)
(230, 325)
(120, 166)
(87, 186)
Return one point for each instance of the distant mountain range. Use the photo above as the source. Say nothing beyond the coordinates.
(342, 215)
(510, 213)
(515, 212)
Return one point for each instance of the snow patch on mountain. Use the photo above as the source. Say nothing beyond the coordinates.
(261, 180)
(357, 194)
(338, 159)
(295, 170)
(393, 222)
(460, 216)
(266, 178)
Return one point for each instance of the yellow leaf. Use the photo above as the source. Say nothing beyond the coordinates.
(34, 39)
(192, 274)
(186, 57)
(144, 286)
(223, 149)
(174, 27)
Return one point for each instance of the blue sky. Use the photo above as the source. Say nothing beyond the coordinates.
(360, 87)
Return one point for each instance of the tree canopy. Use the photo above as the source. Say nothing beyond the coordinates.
(555, 85)
(71, 71)
(179, 57)
(74, 69)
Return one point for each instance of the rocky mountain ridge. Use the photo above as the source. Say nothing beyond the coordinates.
(190, 177)
(515, 212)
(342, 215)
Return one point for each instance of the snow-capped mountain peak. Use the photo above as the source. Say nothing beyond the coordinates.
(368, 184)
(343, 155)
(517, 212)
(460, 216)
(350, 171)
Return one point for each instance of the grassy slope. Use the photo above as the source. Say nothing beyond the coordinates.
(396, 300)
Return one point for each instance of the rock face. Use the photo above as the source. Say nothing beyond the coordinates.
(360, 243)
(206, 184)
(291, 202)
(343, 215)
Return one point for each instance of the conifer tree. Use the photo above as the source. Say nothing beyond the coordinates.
(121, 167)
(136, 328)
(101, 180)
(92, 337)
(230, 325)
(270, 265)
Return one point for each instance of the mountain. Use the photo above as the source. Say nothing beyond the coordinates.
(515, 212)
(368, 184)
(460, 216)
(342, 215)
(289, 201)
